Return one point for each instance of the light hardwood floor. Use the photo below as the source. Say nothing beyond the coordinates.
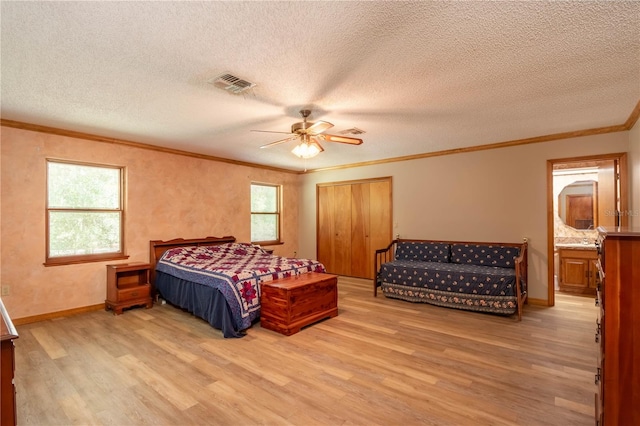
(380, 361)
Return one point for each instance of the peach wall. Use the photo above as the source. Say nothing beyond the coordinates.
(494, 195)
(168, 196)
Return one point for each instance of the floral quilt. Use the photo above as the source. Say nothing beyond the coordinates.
(236, 270)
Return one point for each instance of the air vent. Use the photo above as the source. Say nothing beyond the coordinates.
(352, 131)
(231, 83)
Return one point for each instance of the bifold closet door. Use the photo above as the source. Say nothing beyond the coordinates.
(326, 220)
(334, 228)
(354, 219)
(380, 220)
(360, 230)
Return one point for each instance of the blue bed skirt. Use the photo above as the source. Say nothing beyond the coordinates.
(202, 301)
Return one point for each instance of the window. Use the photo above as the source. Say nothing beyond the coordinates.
(265, 213)
(85, 213)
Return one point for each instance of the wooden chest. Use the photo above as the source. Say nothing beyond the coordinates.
(291, 303)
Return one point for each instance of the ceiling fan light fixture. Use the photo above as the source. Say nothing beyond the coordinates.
(306, 150)
(310, 134)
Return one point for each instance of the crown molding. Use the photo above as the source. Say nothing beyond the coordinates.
(627, 125)
(97, 138)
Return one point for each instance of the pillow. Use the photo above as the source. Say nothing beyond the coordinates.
(423, 251)
(484, 255)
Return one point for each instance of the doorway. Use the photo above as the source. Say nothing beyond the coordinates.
(583, 193)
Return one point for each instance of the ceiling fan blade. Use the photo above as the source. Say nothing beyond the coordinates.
(269, 131)
(318, 127)
(279, 142)
(341, 139)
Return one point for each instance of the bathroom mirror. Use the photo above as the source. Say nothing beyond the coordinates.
(578, 204)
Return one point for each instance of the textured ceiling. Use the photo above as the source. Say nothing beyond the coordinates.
(418, 77)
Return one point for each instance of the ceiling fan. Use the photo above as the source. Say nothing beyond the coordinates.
(310, 134)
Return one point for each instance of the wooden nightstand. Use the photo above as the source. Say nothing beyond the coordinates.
(127, 286)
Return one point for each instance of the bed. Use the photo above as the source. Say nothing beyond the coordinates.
(218, 279)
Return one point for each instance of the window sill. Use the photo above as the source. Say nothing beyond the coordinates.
(267, 243)
(77, 259)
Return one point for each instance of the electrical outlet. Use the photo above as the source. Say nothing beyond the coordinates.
(5, 290)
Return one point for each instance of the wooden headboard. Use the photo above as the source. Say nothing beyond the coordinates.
(158, 247)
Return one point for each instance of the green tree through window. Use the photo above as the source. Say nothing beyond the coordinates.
(84, 212)
(265, 213)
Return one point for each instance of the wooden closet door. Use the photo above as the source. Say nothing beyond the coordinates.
(326, 231)
(342, 228)
(334, 228)
(370, 224)
(380, 219)
(360, 230)
(354, 219)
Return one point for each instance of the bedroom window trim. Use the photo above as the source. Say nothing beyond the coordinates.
(118, 254)
(277, 213)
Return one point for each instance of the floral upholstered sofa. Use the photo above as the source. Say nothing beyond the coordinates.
(484, 277)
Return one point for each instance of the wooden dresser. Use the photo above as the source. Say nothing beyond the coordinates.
(8, 334)
(618, 327)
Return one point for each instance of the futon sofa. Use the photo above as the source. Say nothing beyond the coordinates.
(483, 277)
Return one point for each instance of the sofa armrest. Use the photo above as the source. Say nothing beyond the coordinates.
(388, 248)
(521, 261)
(381, 256)
(521, 266)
